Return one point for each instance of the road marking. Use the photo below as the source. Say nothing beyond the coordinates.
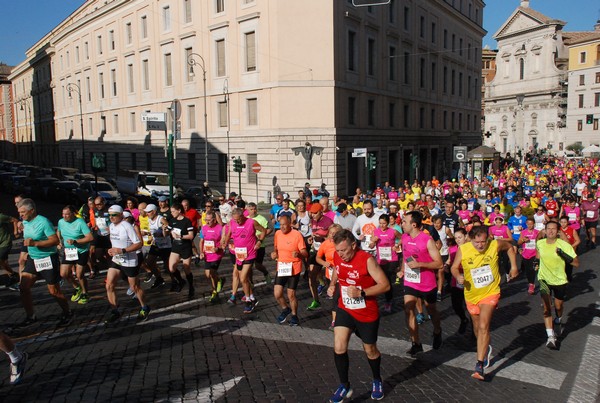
(585, 387)
(596, 321)
(510, 369)
(211, 393)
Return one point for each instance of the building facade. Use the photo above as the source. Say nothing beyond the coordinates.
(583, 110)
(7, 136)
(488, 72)
(401, 80)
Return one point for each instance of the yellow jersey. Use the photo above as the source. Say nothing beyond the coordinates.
(482, 277)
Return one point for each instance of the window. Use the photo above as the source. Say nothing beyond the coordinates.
(99, 44)
(111, 40)
(460, 84)
(582, 57)
(128, 33)
(252, 105)
(130, 79)
(433, 32)
(144, 27)
(579, 125)
(392, 114)
(132, 122)
(88, 88)
(219, 6)
(422, 27)
(191, 161)
(101, 84)
(432, 118)
(521, 69)
(392, 64)
(406, 17)
(86, 51)
(76, 54)
(223, 166)
(166, 18)
(581, 79)
(453, 42)
(189, 76)
(250, 46)
(460, 46)
(445, 39)
(222, 108)
(406, 67)
(422, 73)
(115, 124)
(534, 119)
(251, 159)
(371, 112)
(187, 11)
(145, 75)
(445, 80)
(191, 120)
(445, 122)
(113, 81)
(433, 76)
(580, 100)
(453, 82)
(220, 50)
(595, 124)
(148, 161)
(421, 118)
(168, 70)
(133, 160)
(351, 50)
(371, 57)
(469, 87)
(351, 110)
(406, 116)
(597, 99)
(597, 78)
(102, 124)
(460, 121)
(469, 52)
(392, 12)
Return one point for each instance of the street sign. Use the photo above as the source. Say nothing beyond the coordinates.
(256, 167)
(176, 109)
(155, 126)
(359, 153)
(154, 117)
(460, 154)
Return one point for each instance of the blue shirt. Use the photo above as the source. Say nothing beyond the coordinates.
(516, 225)
(74, 230)
(274, 210)
(39, 229)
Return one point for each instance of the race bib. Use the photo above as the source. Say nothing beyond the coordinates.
(539, 226)
(572, 216)
(385, 253)
(471, 205)
(482, 192)
(176, 232)
(497, 237)
(304, 228)
(119, 259)
(489, 209)
(530, 245)
(517, 229)
(241, 254)
(71, 254)
(284, 269)
(209, 247)
(352, 303)
(412, 275)
(102, 226)
(465, 221)
(43, 264)
(482, 276)
(330, 271)
(589, 214)
(365, 243)
(551, 212)
(146, 239)
(316, 245)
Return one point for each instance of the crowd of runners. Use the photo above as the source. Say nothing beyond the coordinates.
(462, 238)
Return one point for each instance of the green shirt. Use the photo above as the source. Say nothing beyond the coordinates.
(39, 229)
(552, 267)
(263, 223)
(74, 230)
(6, 229)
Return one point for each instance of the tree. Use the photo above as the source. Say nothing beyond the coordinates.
(575, 147)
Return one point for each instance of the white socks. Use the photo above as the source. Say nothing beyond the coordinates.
(15, 356)
(550, 332)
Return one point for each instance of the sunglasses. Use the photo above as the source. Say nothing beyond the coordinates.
(98, 204)
(114, 215)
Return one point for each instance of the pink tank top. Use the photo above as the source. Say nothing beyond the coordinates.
(528, 248)
(573, 214)
(212, 241)
(385, 245)
(498, 232)
(419, 279)
(244, 240)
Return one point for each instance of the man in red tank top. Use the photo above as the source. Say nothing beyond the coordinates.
(361, 279)
(567, 233)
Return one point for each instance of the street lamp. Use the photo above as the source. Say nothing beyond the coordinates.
(226, 99)
(75, 87)
(520, 120)
(194, 62)
(21, 103)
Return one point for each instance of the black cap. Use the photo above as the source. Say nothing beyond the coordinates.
(342, 207)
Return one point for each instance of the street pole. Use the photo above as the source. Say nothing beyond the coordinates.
(226, 93)
(75, 87)
(193, 62)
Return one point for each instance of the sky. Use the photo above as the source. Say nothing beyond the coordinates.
(24, 22)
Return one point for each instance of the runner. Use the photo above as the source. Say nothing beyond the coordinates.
(18, 359)
(319, 228)
(365, 225)
(124, 244)
(567, 233)
(8, 227)
(481, 280)
(242, 231)
(384, 241)
(554, 253)
(421, 261)
(40, 239)
(75, 237)
(527, 242)
(589, 211)
(260, 253)
(289, 251)
(182, 232)
(325, 257)
(361, 280)
(457, 291)
(160, 245)
(101, 243)
(212, 253)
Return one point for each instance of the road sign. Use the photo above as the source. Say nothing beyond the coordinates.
(359, 153)
(176, 109)
(154, 117)
(460, 154)
(155, 126)
(256, 167)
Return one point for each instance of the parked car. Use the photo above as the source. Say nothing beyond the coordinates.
(40, 186)
(16, 184)
(89, 189)
(64, 192)
(64, 173)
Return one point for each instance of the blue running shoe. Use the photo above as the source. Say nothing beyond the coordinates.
(377, 393)
(340, 394)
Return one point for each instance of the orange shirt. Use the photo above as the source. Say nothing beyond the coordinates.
(327, 250)
(286, 245)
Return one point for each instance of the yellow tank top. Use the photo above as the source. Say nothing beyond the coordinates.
(145, 226)
(482, 277)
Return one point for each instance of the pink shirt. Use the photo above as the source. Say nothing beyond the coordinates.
(573, 214)
(419, 279)
(528, 248)
(212, 242)
(386, 242)
(499, 232)
(244, 240)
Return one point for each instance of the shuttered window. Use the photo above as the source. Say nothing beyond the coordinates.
(221, 71)
(250, 44)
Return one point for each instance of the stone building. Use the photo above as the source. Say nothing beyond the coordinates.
(401, 80)
(7, 136)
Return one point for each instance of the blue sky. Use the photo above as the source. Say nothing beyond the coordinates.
(26, 21)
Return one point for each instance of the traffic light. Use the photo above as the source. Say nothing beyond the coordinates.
(414, 161)
(589, 119)
(371, 162)
(237, 165)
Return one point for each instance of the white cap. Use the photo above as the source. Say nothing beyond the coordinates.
(150, 207)
(115, 208)
(127, 214)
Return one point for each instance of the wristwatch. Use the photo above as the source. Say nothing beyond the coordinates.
(123, 250)
(363, 293)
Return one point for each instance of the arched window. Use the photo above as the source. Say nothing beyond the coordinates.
(534, 119)
(504, 121)
(521, 69)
